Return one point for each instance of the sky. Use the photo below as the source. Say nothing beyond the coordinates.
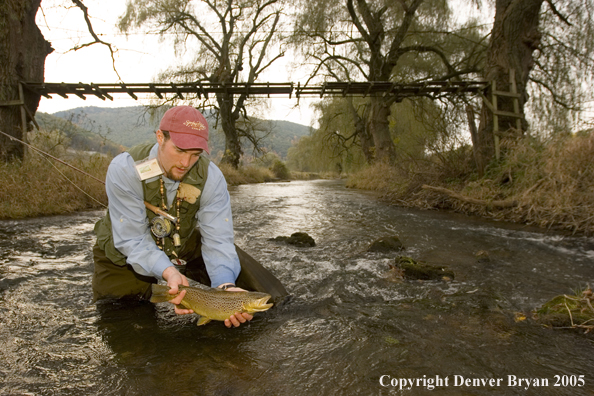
(139, 58)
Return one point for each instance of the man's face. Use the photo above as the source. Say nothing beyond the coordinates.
(175, 161)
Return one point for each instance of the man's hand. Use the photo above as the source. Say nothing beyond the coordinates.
(238, 318)
(174, 278)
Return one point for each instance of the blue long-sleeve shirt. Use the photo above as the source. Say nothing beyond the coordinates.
(131, 229)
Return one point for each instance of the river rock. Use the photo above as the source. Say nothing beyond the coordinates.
(482, 256)
(568, 311)
(395, 274)
(301, 239)
(419, 270)
(386, 244)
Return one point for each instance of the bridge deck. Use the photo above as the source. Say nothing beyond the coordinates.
(201, 90)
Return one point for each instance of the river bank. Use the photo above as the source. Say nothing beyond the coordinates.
(39, 186)
(547, 184)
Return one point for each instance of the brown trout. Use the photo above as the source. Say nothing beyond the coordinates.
(214, 304)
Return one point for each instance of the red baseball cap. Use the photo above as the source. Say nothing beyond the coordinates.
(187, 127)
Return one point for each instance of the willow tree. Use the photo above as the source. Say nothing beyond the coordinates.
(561, 82)
(417, 126)
(369, 39)
(22, 52)
(549, 46)
(229, 41)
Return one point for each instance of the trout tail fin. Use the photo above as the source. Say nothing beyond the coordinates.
(160, 293)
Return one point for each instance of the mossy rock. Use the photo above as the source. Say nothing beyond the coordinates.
(419, 270)
(556, 312)
(301, 239)
(386, 245)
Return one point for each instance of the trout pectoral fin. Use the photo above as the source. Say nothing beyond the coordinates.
(202, 321)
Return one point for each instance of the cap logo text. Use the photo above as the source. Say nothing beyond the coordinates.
(198, 126)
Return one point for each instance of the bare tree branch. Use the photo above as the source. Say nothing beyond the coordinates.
(85, 11)
(557, 13)
(556, 98)
(404, 27)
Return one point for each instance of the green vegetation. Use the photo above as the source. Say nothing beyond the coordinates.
(127, 126)
(272, 162)
(280, 170)
(338, 145)
(267, 168)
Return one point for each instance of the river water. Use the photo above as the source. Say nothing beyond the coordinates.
(347, 330)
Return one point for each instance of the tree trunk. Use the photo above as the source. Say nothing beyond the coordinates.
(22, 52)
(379, 128)
(514, 38)
(233, 149)
(478, 160)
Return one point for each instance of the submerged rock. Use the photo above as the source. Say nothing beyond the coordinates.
(386, 244)
(395, 274)
(482, 256)
(419, 270)
(301, 239)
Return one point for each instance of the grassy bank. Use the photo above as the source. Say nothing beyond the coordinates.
(245, 175)
(263, 174)
(38, 187)
(545, 183)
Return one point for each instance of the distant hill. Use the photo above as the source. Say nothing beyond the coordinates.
(130, 126)
(127, 126)
(80, 138)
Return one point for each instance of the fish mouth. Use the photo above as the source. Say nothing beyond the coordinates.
(261, 304)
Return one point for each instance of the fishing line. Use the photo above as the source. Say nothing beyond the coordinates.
(74, 184)
(152, 208)
(52, 157)
(58, 170)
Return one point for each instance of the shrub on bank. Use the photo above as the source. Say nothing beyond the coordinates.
(247, 174)
(304, 175)
(280, 170)
(546, 183)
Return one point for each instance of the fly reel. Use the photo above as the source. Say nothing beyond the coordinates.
(161, 227)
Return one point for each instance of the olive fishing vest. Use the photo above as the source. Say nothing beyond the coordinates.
(196, 177)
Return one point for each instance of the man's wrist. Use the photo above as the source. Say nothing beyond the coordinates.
(226, 286)
(168, 271)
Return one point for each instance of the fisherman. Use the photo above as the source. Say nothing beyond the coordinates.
(169, 218)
